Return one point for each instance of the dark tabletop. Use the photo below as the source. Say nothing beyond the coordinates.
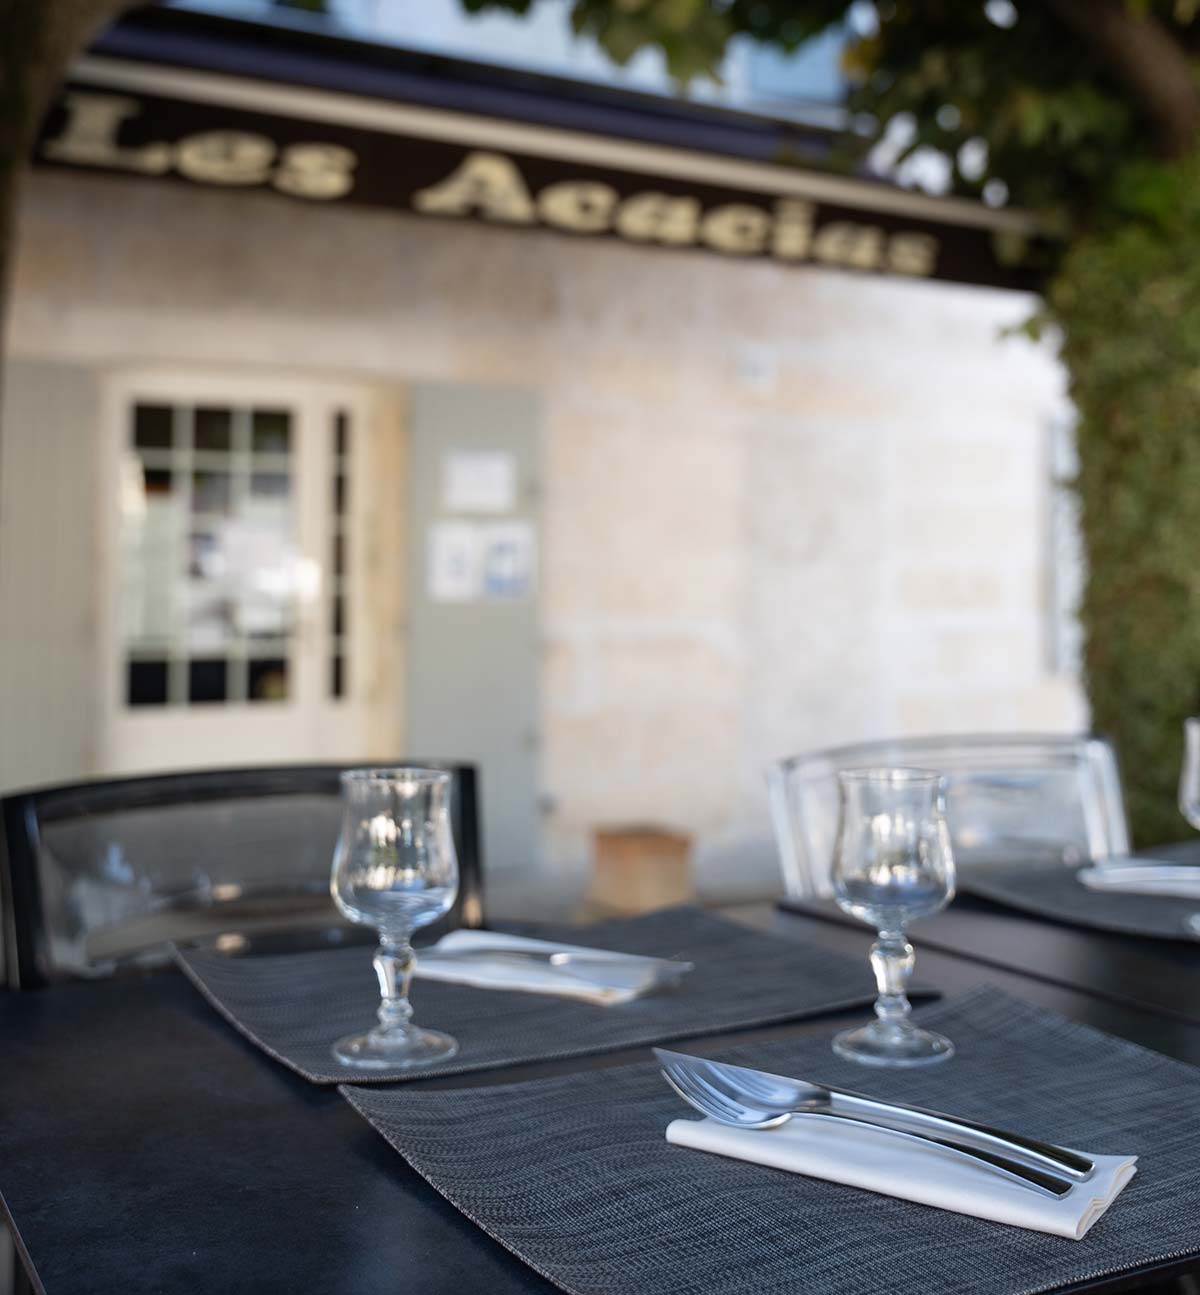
(146, 1146)
(1162, 975)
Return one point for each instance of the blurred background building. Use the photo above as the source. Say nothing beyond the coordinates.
(415, 452)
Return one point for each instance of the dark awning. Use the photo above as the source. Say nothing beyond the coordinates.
(195, 98)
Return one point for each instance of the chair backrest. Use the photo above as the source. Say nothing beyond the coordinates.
(1052, 797)
(98, 876)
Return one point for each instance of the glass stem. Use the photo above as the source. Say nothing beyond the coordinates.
(892, 962)
(394, 963)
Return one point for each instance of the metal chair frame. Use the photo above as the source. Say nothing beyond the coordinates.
(1106, 826)
(24, 939)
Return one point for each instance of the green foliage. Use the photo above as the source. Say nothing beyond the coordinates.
(1053, 123)
(1128, 300)
(1061, 127)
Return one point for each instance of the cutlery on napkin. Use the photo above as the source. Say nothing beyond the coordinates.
(489, 960)
(1143, 876)
(872, 1159)
(907, 1152)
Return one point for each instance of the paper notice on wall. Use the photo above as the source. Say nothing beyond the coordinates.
(481, 562)
(455, 567)
(509, 559)
(479, 481)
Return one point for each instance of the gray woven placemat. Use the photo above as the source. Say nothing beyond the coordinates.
(1054, 892)
(295, 1006)
(575, 1176)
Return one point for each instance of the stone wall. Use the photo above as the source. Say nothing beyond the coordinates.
(784, 508)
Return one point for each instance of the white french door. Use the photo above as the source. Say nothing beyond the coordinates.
(238, 625)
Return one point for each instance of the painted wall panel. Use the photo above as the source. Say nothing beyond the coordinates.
(47, 534)
(472, 650)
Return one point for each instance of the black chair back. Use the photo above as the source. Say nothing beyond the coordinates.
(96, 877)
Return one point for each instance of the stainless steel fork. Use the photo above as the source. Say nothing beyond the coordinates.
(756, 1100)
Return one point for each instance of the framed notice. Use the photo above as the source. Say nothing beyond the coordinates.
(479, 481)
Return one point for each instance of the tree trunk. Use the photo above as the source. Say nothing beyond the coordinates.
(38, 40)
(1143, 55)
(10, 176)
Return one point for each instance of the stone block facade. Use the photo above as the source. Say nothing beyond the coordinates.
(783, 508)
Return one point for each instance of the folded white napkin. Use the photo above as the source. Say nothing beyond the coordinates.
(879, 1162)
(1143, 876)
(498, 973)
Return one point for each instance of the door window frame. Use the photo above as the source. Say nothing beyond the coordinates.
(315, 404)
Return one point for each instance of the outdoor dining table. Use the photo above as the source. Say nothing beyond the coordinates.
(147, 1146)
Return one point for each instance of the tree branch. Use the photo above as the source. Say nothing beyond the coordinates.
(1146, 59)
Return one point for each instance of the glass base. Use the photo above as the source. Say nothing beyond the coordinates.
(880, 1044)
(399, 1050)
(1192, 923)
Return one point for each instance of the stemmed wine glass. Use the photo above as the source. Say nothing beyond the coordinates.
(1189, 775)
(892, 864)
(1189, 791)
(395, 869)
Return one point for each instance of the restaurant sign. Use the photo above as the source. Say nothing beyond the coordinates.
(450, 165)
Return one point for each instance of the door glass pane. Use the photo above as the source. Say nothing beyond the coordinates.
(157, 481)
(208, 679)
(150, 511)
(212, 492)
(271, 431)
(146, 683)
(270, 485)
(208, 603)
(266, 566)
(211, 566)
(212, 431)
(267, 679)
(152, 427)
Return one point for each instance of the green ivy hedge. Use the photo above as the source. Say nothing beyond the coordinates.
(1128, 302)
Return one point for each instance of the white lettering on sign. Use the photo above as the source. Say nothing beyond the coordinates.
(320, 171)
(486, 183)
(736, 227)
(225, 157)
(89, 137)
(791, 238)
(583, 206)
(235, 157)
(912, 253)
(846, 243)
(659, 218)
(491, 185)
